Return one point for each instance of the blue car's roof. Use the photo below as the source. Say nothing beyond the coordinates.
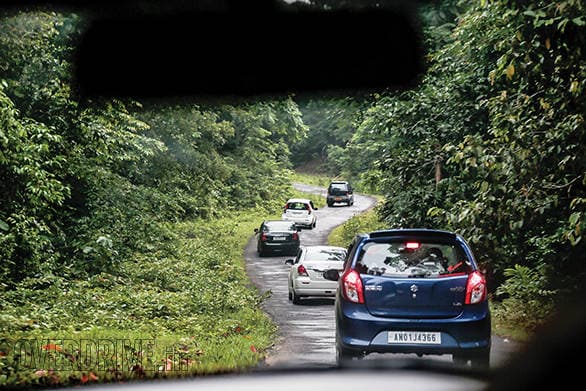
(412, 231)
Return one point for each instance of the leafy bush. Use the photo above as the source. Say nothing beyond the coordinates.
(195, 301)
(361, 223)
(526, 302)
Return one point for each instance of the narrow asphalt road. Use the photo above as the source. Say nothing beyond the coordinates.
(306, 331)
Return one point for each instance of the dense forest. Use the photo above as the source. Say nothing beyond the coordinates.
(82, 180)
(491, 144)
(113, 211)
(108, 205)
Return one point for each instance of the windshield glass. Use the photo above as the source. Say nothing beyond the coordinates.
(130, 246)
(320, 254)
(412, 259)
(338, 188)
(278, 226)
(297, 206)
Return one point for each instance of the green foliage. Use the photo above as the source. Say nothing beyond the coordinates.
(491, 143)
(30, 190)
(361, 223)
(331, 123)
(521, 180)
(76, 174)
(311, 179)
(112, 212)
(525, 300)
(195, 299)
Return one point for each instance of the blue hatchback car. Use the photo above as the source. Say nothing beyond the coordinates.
(412, 291)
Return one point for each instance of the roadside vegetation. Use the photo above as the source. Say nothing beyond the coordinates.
(184, 308)
(489, 144)
(126, 220)
(362, 223)
(315, 179)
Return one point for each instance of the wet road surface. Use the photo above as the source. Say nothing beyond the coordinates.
(306, 331)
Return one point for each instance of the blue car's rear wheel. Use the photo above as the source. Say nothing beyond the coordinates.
(344, 355)
(478, 360)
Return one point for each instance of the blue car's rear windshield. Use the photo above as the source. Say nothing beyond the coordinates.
(412, 258)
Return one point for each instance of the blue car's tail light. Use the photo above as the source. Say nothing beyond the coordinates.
(475, 288)
(353, 289)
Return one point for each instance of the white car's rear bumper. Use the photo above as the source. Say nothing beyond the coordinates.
(303, 221)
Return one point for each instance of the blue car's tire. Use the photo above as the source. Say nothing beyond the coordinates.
(478, 360)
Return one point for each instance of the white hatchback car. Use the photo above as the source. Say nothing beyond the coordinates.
(307, 269)
(301, 211)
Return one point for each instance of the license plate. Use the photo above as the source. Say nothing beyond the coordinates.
(278, 238)
(415, 337)
(338, 198)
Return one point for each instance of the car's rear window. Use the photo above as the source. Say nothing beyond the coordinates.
(278, 226)
(297, 206)
(324, 254)
(338, 188)
(412, 259)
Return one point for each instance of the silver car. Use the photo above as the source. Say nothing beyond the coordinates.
(307, 269)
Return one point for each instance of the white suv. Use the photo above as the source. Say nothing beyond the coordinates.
(301, 211)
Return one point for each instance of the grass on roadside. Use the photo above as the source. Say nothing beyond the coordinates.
(504, 327)
(176, 313)
(318, 200)
(312, 179)
(365, 222)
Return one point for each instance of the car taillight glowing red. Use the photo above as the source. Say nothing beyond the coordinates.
(412, 245)
(302, 271)
(263, 237)
(475, 288)
(352, 288)
(295, 236)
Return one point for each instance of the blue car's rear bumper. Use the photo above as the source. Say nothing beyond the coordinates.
(359, 331)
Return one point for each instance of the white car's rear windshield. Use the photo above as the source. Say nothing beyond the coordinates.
(321, 254)
(297, 206)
